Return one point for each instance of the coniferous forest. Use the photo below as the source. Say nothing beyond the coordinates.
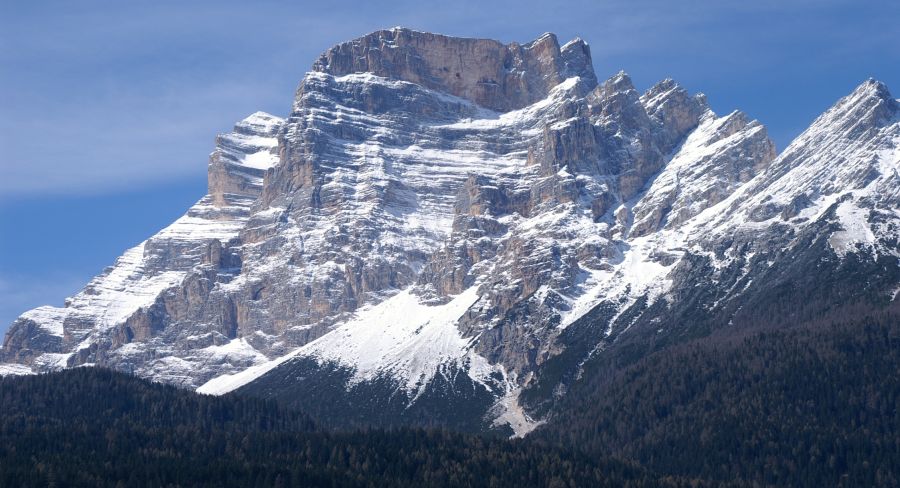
(92, 427)
(814, 405)
(817, 405)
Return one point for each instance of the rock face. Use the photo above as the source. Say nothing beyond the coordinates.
(442, 225)
(491, 74)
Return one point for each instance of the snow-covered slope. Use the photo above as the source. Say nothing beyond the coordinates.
(443, 220)
(849, 153)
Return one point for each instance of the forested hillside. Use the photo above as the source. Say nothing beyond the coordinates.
(812, 405)
(92, 427)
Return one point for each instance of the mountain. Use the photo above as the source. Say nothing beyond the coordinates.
(454, 232)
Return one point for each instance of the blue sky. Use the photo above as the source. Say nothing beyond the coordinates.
(108, 110)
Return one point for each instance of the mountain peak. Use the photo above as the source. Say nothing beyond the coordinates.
(494, 75)
(870, 94)
(872, 88)
(575, 41)
(259, 123)
(672, 105)
(546, 37)
(869, 106)
(669, 89)
(619, 82)
(664, 85)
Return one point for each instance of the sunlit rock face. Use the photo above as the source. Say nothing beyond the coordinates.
(437, 215)
(488, 73)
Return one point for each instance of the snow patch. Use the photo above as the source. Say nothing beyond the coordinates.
(260, 160)
(854, 220)
(400, 336)
(50, 319)
(12, 369)
(225, 383)
(236, 350)
(52, 361)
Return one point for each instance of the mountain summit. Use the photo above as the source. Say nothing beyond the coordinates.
(493, 75)
(446, 230)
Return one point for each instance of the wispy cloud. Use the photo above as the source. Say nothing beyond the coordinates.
(97, 95)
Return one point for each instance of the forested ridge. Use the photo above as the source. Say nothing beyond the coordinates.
(811, 405)
(94, 427)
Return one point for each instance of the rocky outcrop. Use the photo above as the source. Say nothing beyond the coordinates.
(241, 158)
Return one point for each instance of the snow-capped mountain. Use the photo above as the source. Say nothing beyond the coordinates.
(442, 225)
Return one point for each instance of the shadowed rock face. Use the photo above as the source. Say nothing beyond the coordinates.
(446, 211)
(497, 76)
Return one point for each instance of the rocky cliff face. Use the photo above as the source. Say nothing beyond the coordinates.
(444, 221)
(491, 74)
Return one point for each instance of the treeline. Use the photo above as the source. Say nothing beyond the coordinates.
(92, 427)
(817, 405)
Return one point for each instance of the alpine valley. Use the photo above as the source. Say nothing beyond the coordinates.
(466, 234)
